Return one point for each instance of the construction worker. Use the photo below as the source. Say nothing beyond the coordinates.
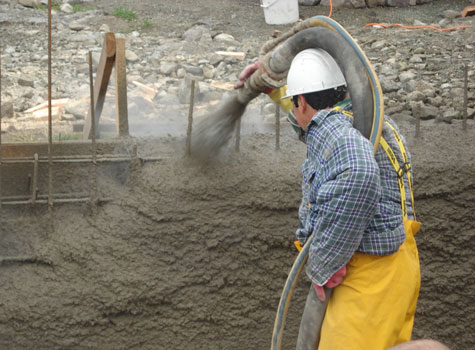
(357, 210)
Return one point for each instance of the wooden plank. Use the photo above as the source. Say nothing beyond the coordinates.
(121, 112)
(150, 91)
(43, 114)
(223, 85)
(239, 55)
(104, 70)
(468, 11)
(54, 103)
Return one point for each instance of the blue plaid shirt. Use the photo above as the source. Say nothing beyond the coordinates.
(351, 200)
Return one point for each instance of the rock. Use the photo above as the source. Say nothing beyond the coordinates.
(378, 44)
(416, 59)
(357, 4)
(429, 112)
(451, 14)
(335, 3)
(419, 23)
(309, 2)
(195, 33)
(375, 3)
(398, 3)
(9, 49)
(406, 76)
(131, 56)
(184, 91)
(167, 68)
(180, 73)
(206, 38)
(197, 71)
(388, 85)
(26, 82)
(76, 26)
(425, 112)
(450, 114)
(223, 37)
(104, 28)
(436, 101)
(29, 3)
(415, 96)
(7, 110)
(66, 8)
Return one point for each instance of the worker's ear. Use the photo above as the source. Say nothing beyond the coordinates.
(303, 103)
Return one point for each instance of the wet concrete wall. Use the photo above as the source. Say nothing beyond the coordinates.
(195, 256)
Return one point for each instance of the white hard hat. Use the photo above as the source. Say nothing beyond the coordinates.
(313, 70)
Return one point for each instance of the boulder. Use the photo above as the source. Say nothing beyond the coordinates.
(309, 2)
(29, 3)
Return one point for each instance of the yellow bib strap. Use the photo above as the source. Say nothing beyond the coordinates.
(400, 175)
(400, 171)
(407, 165)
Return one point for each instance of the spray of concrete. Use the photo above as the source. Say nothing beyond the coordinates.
(215, 130)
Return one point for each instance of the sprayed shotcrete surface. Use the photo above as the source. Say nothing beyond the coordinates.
(190, 255)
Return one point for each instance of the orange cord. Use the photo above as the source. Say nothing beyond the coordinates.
(331, 9)
(416, 27)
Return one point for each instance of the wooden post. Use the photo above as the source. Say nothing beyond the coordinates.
(104, 70)
(277, 126)
(121, 113)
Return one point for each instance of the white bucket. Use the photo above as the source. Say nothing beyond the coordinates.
(280, 11)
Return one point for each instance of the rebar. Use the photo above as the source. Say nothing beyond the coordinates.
(76, 160)
(190, 118)
(0, 126)
(238, 135)
(35, 180)
(50, 126)
(93, 130)
(57, 201)
(418, 122)
(83, 159)
(465, 99)
(71, 195)
(277, 126)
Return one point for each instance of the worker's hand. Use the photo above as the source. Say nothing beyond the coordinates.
(337, 278)
(246, 73)
(320, 292)
(334, 281)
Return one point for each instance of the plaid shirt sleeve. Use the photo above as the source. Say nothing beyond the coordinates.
(342, 189)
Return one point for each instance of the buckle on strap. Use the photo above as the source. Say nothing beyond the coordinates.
(404, 169)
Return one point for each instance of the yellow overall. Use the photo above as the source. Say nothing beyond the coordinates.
(373, 308)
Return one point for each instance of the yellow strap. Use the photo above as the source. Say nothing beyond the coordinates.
(406, 164)
(392, 157)
(399, 172)
(298, 245)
